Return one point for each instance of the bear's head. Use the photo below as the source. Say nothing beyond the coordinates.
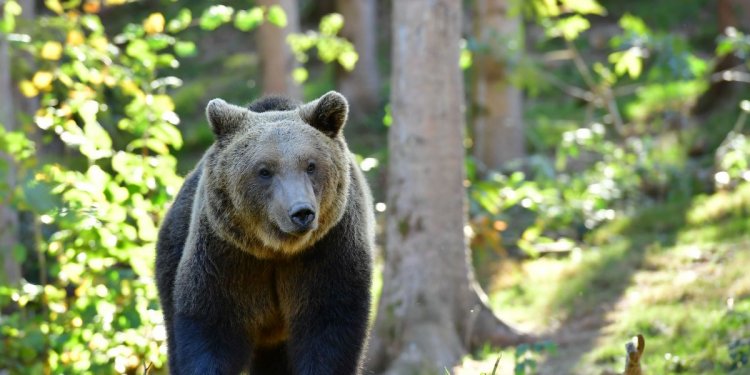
(277, 181)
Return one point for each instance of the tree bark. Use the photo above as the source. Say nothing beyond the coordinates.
(8, 215)
(431, 311)
(276, 58)
(498, 124)
(362, 85)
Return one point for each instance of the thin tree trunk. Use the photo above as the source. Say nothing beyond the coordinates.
(276, 58)
(430, 312)
(29, 230)
(8, 215)
(362, 85)
(498, 125)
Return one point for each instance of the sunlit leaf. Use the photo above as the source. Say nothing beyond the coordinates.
(276, 16)
(55, 6)
(215, 16)
(348, 59)
(28, 89)
(631, 23)
(154, 23)
(185, 48)
(299, 74)
(51, 51)
(74, 38)
(181, 22)
(569, 27)
(584, 6)
(42, 80)
(629, 61)
(331, 24)
(92, 6)
(246, 20)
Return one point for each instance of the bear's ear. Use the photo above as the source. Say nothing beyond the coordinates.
(224, 118)
(327, 113)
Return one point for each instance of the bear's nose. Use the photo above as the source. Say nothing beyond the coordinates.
(302, 215)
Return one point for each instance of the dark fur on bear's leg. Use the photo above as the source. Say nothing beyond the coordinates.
(209, 348)
(170, 244)
(271, 361)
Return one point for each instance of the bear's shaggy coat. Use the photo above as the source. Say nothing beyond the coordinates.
(241, 284)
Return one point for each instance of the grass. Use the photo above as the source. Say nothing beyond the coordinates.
(678, 273)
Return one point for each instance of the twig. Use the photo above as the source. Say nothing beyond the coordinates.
(633, 359)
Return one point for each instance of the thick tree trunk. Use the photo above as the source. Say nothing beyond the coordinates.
(498, 125)
(430, 311)
(362, 85)
(276, 58)
(8, 215)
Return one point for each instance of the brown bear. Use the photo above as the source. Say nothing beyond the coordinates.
(263, 261)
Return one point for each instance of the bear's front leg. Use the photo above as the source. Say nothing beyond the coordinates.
(329, 315)
(206, 346)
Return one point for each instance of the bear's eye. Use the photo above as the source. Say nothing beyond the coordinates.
(264, 173)
(311, 168)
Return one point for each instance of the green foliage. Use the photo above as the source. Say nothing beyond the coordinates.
(11, 10)
(625, 151)
(527, 356)
(91, 306)
(330, 47)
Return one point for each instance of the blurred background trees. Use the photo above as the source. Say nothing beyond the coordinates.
(605, 154)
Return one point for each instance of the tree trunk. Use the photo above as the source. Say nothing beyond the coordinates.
(276, 58)
(431, 311)
(8, 215)
(362, 85)
(498, 124)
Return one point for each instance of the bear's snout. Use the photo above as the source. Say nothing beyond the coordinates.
(303, 216)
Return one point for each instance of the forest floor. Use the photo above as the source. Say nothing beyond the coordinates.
(677, 273)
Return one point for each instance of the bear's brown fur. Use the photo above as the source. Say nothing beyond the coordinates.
(263, 261)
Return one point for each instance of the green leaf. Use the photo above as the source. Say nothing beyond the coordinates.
(584, 7)
(166, 133)
(98, 137)
(184, 48)
(299, 75)
(633, 24)
(569, 27)
(276, 16)
(10, 11)
(246, 20)
(181, 22)
(348, 59)
(629, 61)
(159, 41)
(331, 24)
(215, 16)
(465, 59)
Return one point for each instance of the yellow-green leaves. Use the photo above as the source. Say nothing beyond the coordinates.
(11, 10)
(246, 20)
(216, 16)
(154, 23)
(181, 22)
(569, 27)
(276, 16)
(629, 61)
(331, 24)
(330, 47)
(51, 51)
